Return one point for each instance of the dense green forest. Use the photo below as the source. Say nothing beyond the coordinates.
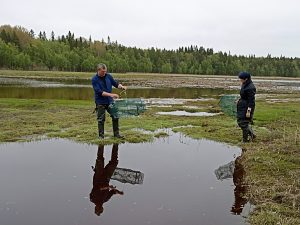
(23, 49)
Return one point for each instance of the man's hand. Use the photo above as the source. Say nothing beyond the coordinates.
(122, 87)
(119, 192)
(114, 96)
(104, 188)
(248, 113)
(106, 94)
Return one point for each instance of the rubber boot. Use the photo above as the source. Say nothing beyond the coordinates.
(100, 159)
(114, 153)
(101, 130)
(115, 123)
(251, 133)
(245, 135)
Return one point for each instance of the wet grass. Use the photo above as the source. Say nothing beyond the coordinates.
(272, 162)
(161, 134)
(273, 166)
(56, 118)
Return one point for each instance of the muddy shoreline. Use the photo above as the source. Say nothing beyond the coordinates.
(227, 83)
(264, 84)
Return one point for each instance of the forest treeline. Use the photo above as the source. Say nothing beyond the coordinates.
(24, 49)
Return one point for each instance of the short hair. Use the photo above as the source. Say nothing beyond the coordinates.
(101, 66)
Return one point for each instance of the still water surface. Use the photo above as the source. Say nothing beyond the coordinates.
(40, 89)
(181, 181)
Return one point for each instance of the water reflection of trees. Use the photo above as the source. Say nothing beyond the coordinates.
(60, 91)
(235, 170)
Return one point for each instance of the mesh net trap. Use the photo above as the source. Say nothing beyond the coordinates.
(228, 103)
(124, 175)
(128, 107)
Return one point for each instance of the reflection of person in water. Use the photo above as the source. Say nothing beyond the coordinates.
(102, 191)
(240, 188)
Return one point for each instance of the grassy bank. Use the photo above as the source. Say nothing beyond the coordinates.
(272, 162)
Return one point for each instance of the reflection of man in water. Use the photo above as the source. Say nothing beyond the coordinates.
(102, 191)
(240, 188)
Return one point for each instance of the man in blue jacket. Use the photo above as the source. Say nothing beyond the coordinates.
(102, 84)
(102, 191)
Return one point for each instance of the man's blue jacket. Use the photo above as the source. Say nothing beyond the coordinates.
(99, 87)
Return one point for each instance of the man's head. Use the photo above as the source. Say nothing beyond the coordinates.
(98, 209)
(244, 76)
(101, 69)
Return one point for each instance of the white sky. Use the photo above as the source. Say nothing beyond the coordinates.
(241, 26)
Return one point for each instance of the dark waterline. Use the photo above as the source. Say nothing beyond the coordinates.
(185, 182)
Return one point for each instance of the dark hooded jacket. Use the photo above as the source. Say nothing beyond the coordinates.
(247, 99)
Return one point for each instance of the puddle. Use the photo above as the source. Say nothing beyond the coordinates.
(159, 106)
(173, 101)
(184, 113)
(191, 107)
(41, 82)
(35, 83)
(282, 100)
(170, 181)
(289, 82)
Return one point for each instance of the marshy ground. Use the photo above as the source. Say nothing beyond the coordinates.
(272, 162)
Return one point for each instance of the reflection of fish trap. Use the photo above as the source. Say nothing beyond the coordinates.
(225, 171)
(128, 107)
(228, 104)
(128, 176)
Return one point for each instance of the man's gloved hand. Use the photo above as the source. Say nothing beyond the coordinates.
(248, 113)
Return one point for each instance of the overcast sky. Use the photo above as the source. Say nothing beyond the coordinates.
(241, 26)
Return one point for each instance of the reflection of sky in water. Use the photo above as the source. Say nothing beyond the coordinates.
(173, 101)
(37, 83)
(184, 113)
(280, 82)
(49, 182)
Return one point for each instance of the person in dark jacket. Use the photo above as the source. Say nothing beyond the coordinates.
(102, 191)
(102, 84)
(240, 188)
(246, 106)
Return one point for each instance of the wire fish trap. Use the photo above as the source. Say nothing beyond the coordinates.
(228, 103)
(128, 107)
(124, 175)
(226, 171)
